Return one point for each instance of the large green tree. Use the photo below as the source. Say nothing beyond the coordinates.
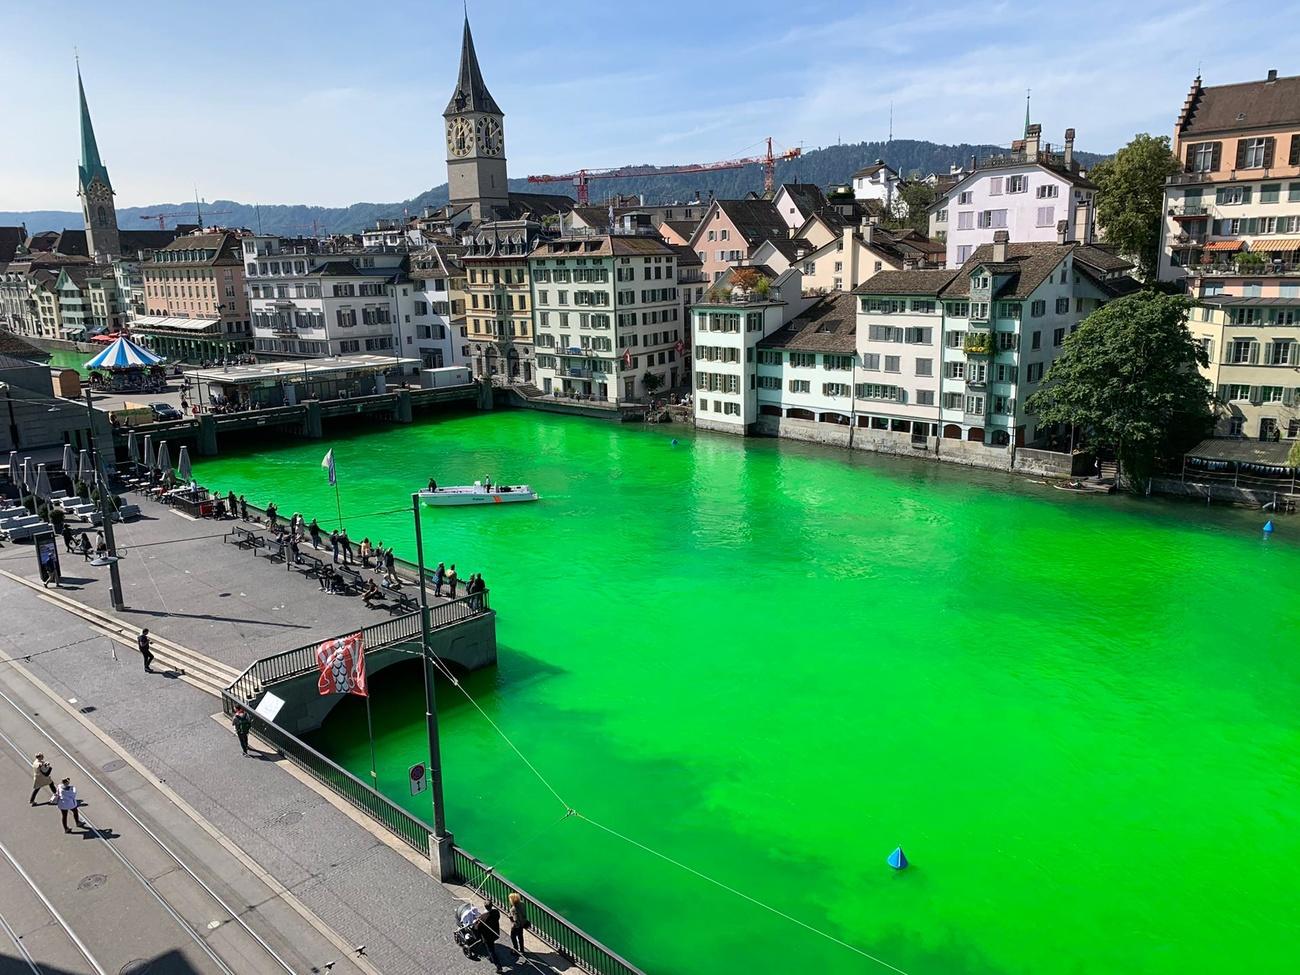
(1127, 380)
(914, 198)
(1131, 198)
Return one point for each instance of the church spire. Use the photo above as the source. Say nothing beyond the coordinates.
(471, 93)
(91, 166)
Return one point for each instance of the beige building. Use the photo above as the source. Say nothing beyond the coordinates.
(499, 313)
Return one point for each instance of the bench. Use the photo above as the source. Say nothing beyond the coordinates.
(244, 538)
(311, 565)
(350, 579)
(276, 549)
(401, 601)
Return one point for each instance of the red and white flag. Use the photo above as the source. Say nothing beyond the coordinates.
(679, 347)
(627, 358)
(342, 664)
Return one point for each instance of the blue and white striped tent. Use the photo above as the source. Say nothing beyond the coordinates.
(123, 354)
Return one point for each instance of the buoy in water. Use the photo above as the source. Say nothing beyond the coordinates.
(1268, 527)
(674, 441)
(898, 859)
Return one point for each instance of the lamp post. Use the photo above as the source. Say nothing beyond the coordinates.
(105, 512)
(440, 855)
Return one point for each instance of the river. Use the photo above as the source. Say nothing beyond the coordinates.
(773, 663)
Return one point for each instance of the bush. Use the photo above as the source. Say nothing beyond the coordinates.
(30, 504)
(57, 519)
(83, 490)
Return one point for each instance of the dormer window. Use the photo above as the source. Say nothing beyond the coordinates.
(980, 281)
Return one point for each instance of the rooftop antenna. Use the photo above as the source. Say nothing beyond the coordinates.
(891, 122)
(1026, 135)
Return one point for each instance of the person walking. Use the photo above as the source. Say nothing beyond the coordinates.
(242, 723)
(390, 569)
(243, 508)
(488, 928)
(66, 796)
(314, 531)
(346, 544)
(85, 548)
(439, 577)
(144, 643)
(518, 922)
(451, 581)
(41, 770)
(272, 513)
(67, 538)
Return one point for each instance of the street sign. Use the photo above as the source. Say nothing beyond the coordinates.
(47, 558)
(419, 780)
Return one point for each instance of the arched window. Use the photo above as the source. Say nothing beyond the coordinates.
(103, 216)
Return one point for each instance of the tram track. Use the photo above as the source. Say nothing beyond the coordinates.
(227, 914)
(53, 912)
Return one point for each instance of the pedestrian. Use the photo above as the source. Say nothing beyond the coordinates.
(314, 531)
(232, 503)
(66, 796)
(85, 546)
(41, 770)
(334, 544)
(518, 922)
(67, 538)
(346, 544)
(488, 928)
(144, 643)
(390, 569)
(365, 552)
(242, 723)
(439, 576)
(293, 550)
(451, 581)
(243, 507)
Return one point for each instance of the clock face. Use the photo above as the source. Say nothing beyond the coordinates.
(460, 137)
(491, 136)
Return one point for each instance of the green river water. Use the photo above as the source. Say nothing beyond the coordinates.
(774, 663)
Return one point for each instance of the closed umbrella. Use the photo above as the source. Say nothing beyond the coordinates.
(164, 457)
(84, 473)
(13, 468)
(29, 474)
(69, 460)
(43, 490)
(131, 452)
(183, 463)
(149, 460)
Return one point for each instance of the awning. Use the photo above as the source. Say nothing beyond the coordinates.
(1285, 245)
(1224, 245)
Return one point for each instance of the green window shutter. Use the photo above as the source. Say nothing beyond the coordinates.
(1254, 353)
(1245, 194)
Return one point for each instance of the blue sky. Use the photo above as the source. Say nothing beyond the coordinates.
(338, 102)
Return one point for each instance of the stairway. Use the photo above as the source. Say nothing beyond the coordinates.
(527, 390)
(1109, 471)
(194, 668)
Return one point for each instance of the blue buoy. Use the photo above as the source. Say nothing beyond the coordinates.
(1268, 527)
(898, 859)
(675, 444)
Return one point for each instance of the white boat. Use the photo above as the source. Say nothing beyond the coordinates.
(475, 494)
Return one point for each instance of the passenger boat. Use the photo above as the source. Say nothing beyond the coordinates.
(476, 494)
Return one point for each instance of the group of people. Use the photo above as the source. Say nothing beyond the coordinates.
(488, 927)
(64, 795)
(444, 576)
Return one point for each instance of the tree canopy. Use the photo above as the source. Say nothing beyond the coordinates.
(1131, 198)
(914, 197)
(1127, 380)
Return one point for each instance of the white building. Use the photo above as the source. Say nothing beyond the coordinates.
(306, 303)
(725, 336)
(607, 314)
(877, 182)
(437, 308)
(1026, 192)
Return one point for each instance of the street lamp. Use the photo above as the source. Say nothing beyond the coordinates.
(105, 511)
(441, 855)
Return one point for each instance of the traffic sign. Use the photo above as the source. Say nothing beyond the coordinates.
(419, 780)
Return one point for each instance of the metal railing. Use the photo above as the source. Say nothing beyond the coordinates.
(548, 925)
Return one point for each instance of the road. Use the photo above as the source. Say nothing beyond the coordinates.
(144, 888)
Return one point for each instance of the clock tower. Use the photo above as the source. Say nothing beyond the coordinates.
(476, 148)
(95, 190)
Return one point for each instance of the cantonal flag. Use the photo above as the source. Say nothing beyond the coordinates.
(627, 358)
(342, 663)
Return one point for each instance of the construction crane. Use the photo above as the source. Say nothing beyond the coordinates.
(162, 218)
(580, 178)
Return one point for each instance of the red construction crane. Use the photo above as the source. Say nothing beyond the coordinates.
(579, 178)
(162, 218)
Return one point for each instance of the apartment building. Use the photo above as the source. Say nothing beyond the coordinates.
(1027, 192)
(1232, 236)
(438, 335)
(499, 312)
(195, 300)
(731, 229)
(878, 182)
(726, 331)
(306, 299)
(608, 313)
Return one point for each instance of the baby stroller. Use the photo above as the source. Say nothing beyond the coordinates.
(466, 935)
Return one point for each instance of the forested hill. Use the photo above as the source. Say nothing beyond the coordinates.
(832, 164)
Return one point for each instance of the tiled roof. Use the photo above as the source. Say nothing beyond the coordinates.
(787, 247)
(828, 325)
(12, 345)
(537, 205)
(605, 245)
(755, 220)
(1029, 264)
(921, 282)
(683, 228)
(1116, 287)
(685, 256)
(1263, 103)
(1101, 258)
(11, 238)
(871, 170)
(808, 197)
(221, 244)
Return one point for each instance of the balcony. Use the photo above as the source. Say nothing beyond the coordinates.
(977, 385)
(977, 343)
(1191, 212)
(1250, 269)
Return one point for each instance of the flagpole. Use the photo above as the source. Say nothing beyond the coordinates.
(370, 731)
(338, 506)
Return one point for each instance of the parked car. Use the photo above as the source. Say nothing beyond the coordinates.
(165, 411)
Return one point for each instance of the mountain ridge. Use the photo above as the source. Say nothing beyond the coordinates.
(825, 166)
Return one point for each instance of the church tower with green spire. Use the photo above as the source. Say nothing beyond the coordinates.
(95, 189)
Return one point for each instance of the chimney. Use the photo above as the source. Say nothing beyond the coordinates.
(1272, 76)
(1000, 240)
(909, 264)
(1069, 148)
(1033, 135)
(868, 230)
(1062, 227)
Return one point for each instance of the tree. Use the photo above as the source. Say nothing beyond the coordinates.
(1131, 198)
(744, 278)
(653, 382)
(911, 207)
(1127, 380)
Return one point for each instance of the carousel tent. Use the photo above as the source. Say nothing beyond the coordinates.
(124, 354)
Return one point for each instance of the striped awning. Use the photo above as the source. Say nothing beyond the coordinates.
(1284, 245)
(1224, 245)
(123, 354)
